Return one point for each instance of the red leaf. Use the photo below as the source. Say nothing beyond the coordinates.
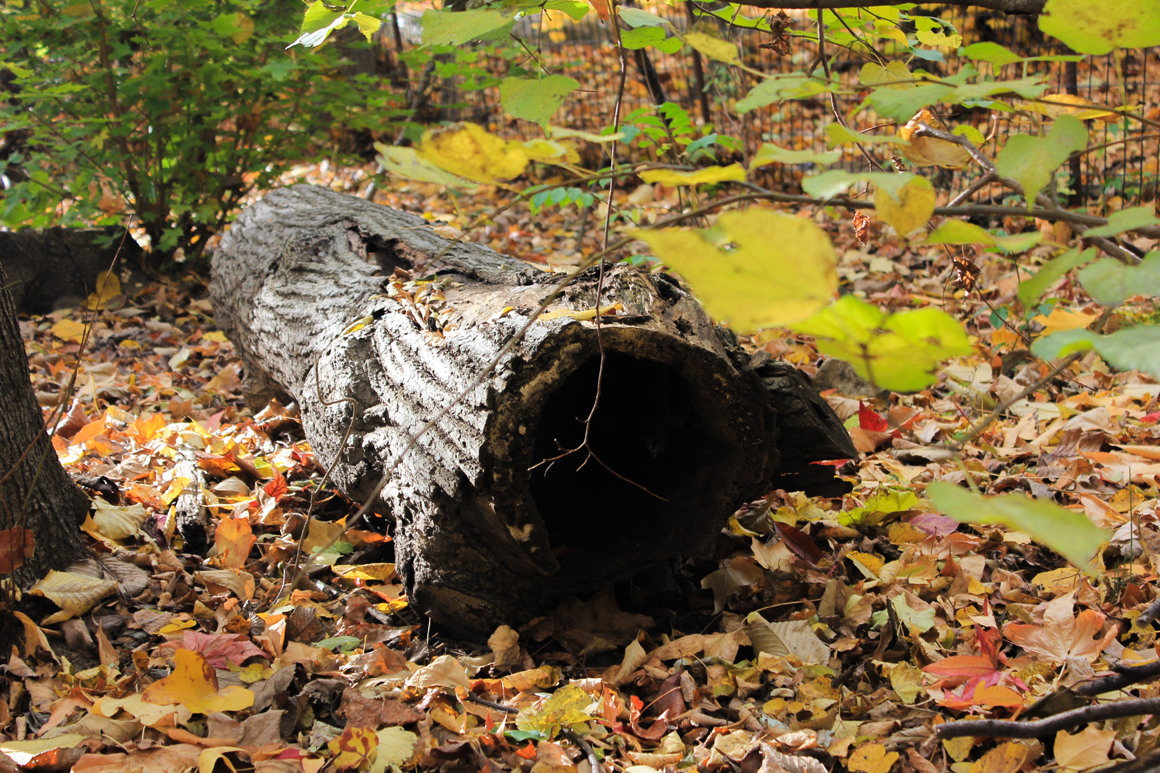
(799, 542)
(969, 666)
(16, 544)
(868, 419)
(277, 487)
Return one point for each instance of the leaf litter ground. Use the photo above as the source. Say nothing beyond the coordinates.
(823, 634)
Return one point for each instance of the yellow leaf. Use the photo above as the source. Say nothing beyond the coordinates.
(872, 758)
(714, 48)
(215, 335)
(194, 684)
(887, 77)
(245, 28)
(68, 330)
(930, 151)
(1008, 757)
(1064, 319)
(396, 747)
(756, 269)
(405, 162)
(1073, 105)
(469, 151)
(355, 748)
(74, 592)
(208, 758)
(1086, 749)
(108, 288)
(380, 572)
(551, 150)
(117, 522)
(708, 175)
(911, 210)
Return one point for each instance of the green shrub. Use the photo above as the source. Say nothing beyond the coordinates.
(171, 110)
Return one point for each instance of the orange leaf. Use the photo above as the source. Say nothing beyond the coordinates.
(16, 544)
(234, 538)
(355, 748)
(602, 9)
(963, 665)
(194, 684)
(89, 431)
(145, 429)
(276, 487)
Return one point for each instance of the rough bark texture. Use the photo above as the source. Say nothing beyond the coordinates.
(489, 530)
(35, 491)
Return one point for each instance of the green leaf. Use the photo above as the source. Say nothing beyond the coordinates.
(635, 17)
(1032, 160)
(837, 134)
(932, 32)
(835, 181)
(1124, 220)
(454, 28)
(777, 88)
(317, 24)
(1111, 282)
(575, 9)
(962, 232)
(1096, 28)
(706, 176)
(1033, 289)
(1067, 532)
(899, 352)
(769, 153)
(712, 47)
(901, 104)
(779, 269)
(367, 25)
(990, 52)
(642, 37)
(535, 100)
(1134, 348)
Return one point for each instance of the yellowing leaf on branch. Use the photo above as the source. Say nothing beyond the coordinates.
(1073, 105)
(712, 47)
(194, 684)
(755, 269)
(910, 209)
(930, 151)
(706, 176)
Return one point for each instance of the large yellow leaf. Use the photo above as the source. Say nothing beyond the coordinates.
(194, 684)
(756, 269)
(910, 209)
(930, 151)
(470, 151)
(708, 175)
(74, 592)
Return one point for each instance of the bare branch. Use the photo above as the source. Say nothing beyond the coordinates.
(1000, 728)
(1009, 6)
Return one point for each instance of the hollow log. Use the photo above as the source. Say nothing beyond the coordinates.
(375, 323)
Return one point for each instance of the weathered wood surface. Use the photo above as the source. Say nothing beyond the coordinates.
(486, 529)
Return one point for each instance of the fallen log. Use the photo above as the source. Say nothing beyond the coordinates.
(374, 323)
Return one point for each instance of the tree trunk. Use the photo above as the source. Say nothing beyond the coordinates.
(35, 491)
(494, 518)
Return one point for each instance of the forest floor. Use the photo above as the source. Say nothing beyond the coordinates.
(822, 634)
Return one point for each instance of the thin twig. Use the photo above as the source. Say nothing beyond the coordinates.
(1001, 728)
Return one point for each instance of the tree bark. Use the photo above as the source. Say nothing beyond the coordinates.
(35, 491)
(494, 518)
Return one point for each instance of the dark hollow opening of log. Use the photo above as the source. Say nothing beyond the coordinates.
(647, 439)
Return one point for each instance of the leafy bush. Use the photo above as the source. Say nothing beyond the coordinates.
(171, 109)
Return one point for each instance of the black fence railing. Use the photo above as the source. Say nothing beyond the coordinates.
(1124, 170)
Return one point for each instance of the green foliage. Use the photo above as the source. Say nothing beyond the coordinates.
(1066, 532)
(1134, 348)
(1032, 160)
(900, 352)
(173, 115)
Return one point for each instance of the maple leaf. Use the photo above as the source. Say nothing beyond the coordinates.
(194, 684)
(1063, 634)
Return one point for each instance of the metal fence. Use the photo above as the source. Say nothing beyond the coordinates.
(1126, 165)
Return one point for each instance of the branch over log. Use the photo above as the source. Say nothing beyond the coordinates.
(495, 513)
